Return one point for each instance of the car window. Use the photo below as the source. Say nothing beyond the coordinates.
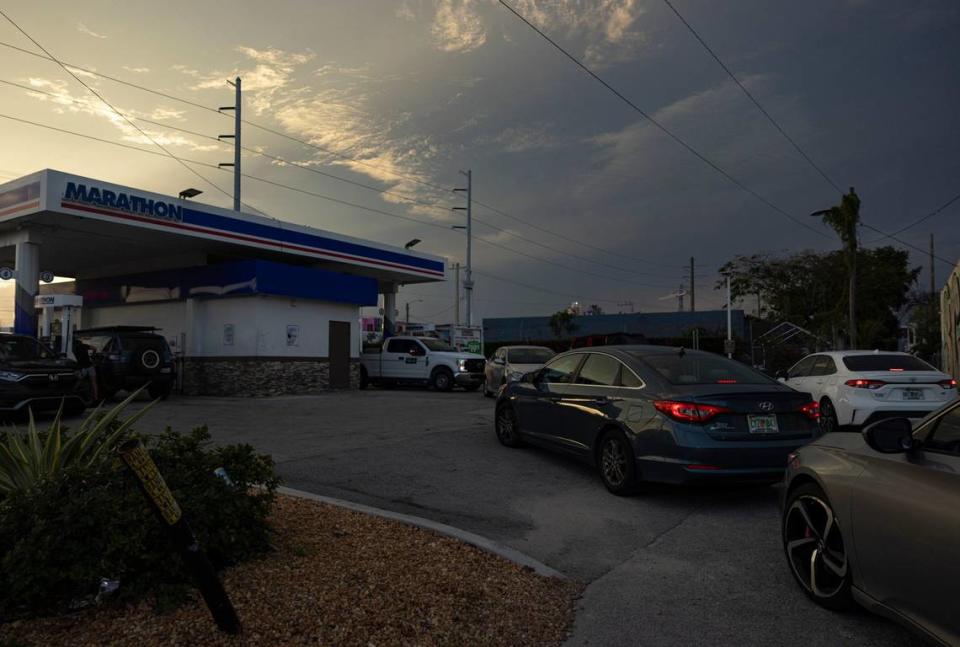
(99, 343)
(885, 362)
(802, 368)
(436, 345)
(695, 367)
(400, 345)
(529, 355)
(946, 435)
(599, 370)
(823, 365)
(560, 370)
(23, 349)
(629, 379)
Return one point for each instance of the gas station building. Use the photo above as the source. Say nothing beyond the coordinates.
(251, 305)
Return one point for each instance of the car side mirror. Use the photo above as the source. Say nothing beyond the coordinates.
(782, 375)
(499, 361)
(890, 436)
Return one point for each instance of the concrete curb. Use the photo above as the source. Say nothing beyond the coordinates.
(477, 541)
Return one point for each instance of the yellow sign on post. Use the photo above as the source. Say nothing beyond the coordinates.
(139, 461)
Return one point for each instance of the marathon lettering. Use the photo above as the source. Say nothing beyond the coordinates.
(122, 202)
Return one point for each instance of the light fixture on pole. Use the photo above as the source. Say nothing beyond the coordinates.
(186, 194)
(412, 243)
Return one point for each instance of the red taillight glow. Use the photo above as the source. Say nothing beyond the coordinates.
(688, 411)
(811, 410)
(948, 384)
(865, 384)
(702, 468)
(895, 370)
(726, 381)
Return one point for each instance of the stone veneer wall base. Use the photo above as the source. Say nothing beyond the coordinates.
(260, 376)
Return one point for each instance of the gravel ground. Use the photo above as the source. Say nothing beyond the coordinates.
(339, 577)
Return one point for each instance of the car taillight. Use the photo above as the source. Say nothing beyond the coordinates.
(811, 410)
(688, 411)
(948, 384)
(865, 384)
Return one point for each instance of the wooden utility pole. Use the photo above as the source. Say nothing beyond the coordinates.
(693, 303)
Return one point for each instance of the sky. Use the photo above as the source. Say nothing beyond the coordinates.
(578, 197)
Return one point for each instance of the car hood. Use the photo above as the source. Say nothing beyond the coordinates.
(455, 355)
(38, 366)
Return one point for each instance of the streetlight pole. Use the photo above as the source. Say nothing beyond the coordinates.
(468, 278)
(236, 143)
(729, 320)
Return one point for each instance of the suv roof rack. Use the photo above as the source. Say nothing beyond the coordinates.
(119, 329)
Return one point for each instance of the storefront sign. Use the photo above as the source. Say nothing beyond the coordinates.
(82, 194)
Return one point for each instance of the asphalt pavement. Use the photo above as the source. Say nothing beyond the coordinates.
(669, 567)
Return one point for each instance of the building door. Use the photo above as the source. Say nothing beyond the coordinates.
(339, 345)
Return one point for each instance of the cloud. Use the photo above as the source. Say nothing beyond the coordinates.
(273, 71)
(136, 70)
(608, 27)
(83, 29)
(457, 27)
(522, 139)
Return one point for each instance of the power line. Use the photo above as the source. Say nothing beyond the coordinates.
(918, 221)
(110, 105)
(752, 98)
(335, 154)
(925, 252)
(716, 167)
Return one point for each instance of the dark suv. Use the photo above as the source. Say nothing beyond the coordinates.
(129, 357)
(33, 376)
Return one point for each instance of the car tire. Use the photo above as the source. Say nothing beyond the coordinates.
(828, 417)
(814, 547)
(364, 378)
(441, 379)
(507, 427)
(615, 460)
(487, 393)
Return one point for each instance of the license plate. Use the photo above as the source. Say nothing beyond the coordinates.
(763, 424)
(913, 394)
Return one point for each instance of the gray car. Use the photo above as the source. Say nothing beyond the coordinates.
(512, 362)
(874, 518)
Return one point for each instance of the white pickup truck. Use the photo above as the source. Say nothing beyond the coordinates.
(420, 360)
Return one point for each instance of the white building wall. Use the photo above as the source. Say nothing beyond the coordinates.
(259, 325)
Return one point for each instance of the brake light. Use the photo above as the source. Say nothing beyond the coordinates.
(688, 411)
(811, 410)
(948, 384)
(865, 384)
(726, 381)
(895, 370)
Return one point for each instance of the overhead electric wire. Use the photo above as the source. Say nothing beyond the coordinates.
(339, 155)
(750, 96)
(902, 242)
(67, 69)
(716, 167)
(917, 221)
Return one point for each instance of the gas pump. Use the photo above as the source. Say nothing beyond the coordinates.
(59, 315)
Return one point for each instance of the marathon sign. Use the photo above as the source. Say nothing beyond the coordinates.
(132, 204)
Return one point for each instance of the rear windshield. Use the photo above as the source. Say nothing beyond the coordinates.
(23, 349)
(529, 355)
(885, 362)
(702, 368)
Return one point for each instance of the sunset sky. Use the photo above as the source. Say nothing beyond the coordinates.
(400, 95)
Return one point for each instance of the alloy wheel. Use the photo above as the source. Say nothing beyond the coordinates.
(815, 546)
(506, 426)
(613, 463)
(828, 417)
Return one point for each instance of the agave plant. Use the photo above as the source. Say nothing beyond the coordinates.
(27, 458)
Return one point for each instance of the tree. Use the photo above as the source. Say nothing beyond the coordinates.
(561, 323)
(594, 309)
(844, 219)
(802, 288)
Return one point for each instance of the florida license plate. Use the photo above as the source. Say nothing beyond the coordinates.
(913, 394)
(763, 424)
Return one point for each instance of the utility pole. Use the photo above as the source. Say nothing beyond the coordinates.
(729, 320)
(933, 276)
(236, 143)
(693, 296)
(680, 294)
(456, 294)
(468, 279)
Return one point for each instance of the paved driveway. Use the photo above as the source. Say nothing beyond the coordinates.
(669, 567)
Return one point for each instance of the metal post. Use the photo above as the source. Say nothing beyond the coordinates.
(408, 316)
(468, 279)
(693, 283)
(729, 318)
(456, 294)
(680, 294)
(27, 265)
(933, 276)
(237, 120)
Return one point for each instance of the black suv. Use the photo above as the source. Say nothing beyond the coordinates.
(33, 376)
(129, 357)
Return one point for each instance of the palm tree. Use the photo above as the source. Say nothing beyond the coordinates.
(845, 219)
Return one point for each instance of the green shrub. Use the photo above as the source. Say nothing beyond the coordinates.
(90, 521)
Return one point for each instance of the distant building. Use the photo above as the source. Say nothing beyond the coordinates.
(668, 328)
(950, 324)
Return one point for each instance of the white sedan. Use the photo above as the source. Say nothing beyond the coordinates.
(511, 362)
(859, 387)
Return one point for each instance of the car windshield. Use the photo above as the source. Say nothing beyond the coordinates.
(436, 345)
(701, 368)
(23, 349)
(885, 362)
(529, 355)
